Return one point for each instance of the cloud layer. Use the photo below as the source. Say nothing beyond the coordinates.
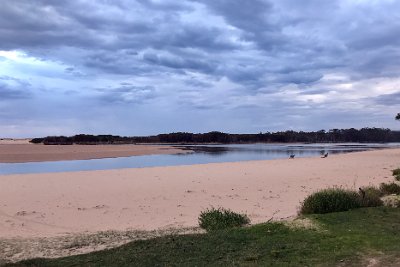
(150, 66)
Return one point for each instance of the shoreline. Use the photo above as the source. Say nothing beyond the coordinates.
(56, 204)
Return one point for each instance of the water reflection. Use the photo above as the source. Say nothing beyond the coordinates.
(199, 154)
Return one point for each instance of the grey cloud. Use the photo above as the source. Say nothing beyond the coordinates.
(196, 36)
(13, 88)
(197, 83)
(299, 77)
(250, 16)
(166, 5)
(126, 93)
(388, 99)
(178, 62)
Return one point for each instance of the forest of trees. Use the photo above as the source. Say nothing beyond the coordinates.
(363, 135)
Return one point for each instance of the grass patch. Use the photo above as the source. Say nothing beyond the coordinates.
(330, 200)
(349, 238)
(220, 219)
(388, 189)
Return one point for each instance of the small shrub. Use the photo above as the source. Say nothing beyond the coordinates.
(371, 197)
(330, 200)
(218, 219)
(396, 174)
(388, 189)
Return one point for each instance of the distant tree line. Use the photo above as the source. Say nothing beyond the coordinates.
(332, 136)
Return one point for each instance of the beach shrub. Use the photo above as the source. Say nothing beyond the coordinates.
(219, 219)
(330, 200)
(388, 189)
(372, 197)
(396, 174)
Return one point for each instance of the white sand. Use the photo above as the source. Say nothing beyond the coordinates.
(53, 204)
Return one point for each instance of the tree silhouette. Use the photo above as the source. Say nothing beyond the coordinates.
(398, 116)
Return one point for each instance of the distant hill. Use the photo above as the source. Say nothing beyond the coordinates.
(364, 135)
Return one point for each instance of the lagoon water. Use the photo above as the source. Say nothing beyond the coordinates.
(202, 154)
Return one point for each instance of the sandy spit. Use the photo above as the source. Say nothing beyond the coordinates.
(54, 204)
(25, 152)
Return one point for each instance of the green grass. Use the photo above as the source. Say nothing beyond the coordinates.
(344, 238)
(218, 219)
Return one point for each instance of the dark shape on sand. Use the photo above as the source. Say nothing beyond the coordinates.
(292, 156)
(325, 156)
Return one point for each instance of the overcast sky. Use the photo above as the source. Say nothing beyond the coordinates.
(139, 67)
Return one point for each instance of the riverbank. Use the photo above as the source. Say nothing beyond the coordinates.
(18, 152)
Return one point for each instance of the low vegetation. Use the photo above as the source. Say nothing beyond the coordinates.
(330, 200)
(220, 219)
(353, 238)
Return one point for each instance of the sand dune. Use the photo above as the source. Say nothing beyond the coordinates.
(53, 204)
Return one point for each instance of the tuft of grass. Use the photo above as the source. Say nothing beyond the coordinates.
(330, 200)
(396, 174)
(219, 219)
(388, 189)
(372, 197)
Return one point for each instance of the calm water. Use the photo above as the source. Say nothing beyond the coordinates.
(202, 154)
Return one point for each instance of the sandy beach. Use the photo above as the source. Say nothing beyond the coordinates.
(13, 151)
(54, 204)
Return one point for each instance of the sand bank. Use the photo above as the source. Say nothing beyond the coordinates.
(25, 152)
(53, 204)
